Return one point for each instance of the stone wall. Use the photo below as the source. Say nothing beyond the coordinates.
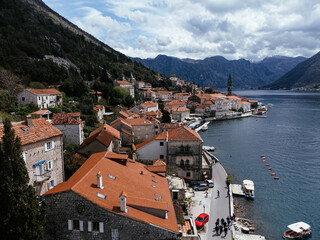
(35, 153)
(71, 133)
(71, 206)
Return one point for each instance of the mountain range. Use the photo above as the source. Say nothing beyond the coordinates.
(214, 71)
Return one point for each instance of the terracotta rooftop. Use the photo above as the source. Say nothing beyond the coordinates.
(40, 130)
(48, 91)
(98, 107)
(97, 92)
(138, 121)
(123, 82)
(241, 103)
(233, 97)
(106, 128)
(41, 112)
(176, 102)
(143, 189)
(66, 118)
(180, 109)
(150, 104)
(126, 113)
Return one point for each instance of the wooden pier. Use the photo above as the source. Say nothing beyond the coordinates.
(236, 189)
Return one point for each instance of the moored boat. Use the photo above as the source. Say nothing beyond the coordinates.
(248, 188)
(299, 230)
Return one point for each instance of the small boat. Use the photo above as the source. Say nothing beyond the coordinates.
(267, 165)
(276, 178)
(273, 174)
(262, 156)
(299, 230)
(248, 188)
(269, 168)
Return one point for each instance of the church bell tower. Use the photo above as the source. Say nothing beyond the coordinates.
(229, 85)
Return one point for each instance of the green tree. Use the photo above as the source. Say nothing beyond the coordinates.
(70, 167)
(166, 117)
(21, 214)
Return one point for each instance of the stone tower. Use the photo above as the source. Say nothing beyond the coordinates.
(229, 85)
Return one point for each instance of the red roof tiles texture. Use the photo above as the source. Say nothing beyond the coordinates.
(48, 91)
(65, 118)
(40, 130)
(127, 178)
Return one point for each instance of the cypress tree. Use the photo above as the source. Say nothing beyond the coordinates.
(21, 214)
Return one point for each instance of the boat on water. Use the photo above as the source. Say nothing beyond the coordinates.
(248, 188)
(299, 230)
(204, 128)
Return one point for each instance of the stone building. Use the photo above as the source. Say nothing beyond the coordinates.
(181, 148)
(104, 138)
(42, 148)
(180, 113)
(70, 125)
(43, 98)
(111, 197)
(125, 84)
(100, 111)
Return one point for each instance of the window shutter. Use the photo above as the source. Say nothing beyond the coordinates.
(45, 147)
(52, 147)
(70, 223)
(101, 227)
(89, 226)
(81, 225)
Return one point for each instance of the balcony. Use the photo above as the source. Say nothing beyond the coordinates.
(43, 177)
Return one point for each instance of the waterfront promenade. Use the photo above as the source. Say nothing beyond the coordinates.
(219, 206)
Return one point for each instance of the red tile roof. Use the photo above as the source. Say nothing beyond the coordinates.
(107, 128)
(123, 82)
(141, 189)
(150, 104)
(40, 130)
(138, 121)
(65, 118)
(48, 91)
(41, 112)
(180, 109)
(242, 103)
(98, 107)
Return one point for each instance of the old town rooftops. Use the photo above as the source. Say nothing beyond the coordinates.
(49, 91)
(144, 190)
(39, 130)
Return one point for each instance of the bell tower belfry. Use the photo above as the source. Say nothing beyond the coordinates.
(229, 85)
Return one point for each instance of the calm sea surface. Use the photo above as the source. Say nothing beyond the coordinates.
(289, 138)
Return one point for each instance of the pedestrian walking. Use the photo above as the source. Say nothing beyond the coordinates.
(222, 221)
(218, 192)
(217, 222)
(224, 224)
(228, 220)
(217, 229)
(225, 231)
(221, 228)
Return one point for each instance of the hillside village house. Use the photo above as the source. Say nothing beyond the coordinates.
(135, 130)
(100, 111)
(70, 125)
(43, 98)
(150, 106)
(111, 197)
(42, 150)
(104, 138)
(180, 113)
(125, 84)
(180, 147)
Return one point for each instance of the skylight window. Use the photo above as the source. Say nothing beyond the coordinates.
(154, 186)
(154, 181)
(24, 129)
(110, 176)
(101, 196)
(158, 196)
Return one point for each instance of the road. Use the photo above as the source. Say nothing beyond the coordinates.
(219, 206)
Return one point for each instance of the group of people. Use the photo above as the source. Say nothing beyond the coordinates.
(223, 225)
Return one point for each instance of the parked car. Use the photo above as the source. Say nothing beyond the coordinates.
(201, 187)
(201, 220)
(209, 183)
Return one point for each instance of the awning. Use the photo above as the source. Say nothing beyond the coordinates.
(299, 226)
(38, 163)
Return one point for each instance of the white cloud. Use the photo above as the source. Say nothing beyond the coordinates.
(197, 29)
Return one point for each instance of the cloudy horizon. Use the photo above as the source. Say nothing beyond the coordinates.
(233, 29)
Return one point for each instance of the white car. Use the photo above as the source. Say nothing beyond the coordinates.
(209, 183)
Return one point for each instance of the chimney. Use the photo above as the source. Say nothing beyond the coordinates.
(134, 157)
(29, 121)
(99, 180)
(141, 172)
(167, 137)
(123, 202)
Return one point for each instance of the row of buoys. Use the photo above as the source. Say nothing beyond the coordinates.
(268, 165)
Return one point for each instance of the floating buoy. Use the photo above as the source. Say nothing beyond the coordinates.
(269, 168)
(261, 156)
(267, 165)
(273, 174)
(276, 178)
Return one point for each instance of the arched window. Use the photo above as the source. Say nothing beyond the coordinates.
(181, 162)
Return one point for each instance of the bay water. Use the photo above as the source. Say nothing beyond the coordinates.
(289, 138)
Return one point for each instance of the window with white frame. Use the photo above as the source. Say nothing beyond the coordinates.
(115, 234)
(39, 169)
(51, 183)
(49, 165)
(95, 227)
(75, 225)
(49, 146)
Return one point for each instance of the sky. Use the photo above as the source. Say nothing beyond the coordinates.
(234, 29)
